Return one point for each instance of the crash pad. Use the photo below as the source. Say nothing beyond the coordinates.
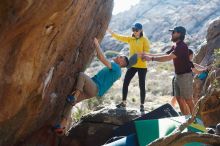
(130, 140)
(163, 111)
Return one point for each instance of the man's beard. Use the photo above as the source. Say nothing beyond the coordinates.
(174, 39)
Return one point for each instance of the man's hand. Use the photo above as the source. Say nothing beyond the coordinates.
(142, 56)
(147, 58)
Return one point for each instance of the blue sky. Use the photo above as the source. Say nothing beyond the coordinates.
(123, 5)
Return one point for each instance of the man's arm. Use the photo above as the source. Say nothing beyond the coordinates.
(197, 71)
(100, 54)
(162, 58)
(199, 66)
(155, 55)
(142, 55)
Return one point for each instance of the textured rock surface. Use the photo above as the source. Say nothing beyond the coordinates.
(44, 44)
(205, 57)
(211, 112)
(96, 128)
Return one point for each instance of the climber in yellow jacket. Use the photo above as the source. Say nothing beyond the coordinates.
(138, 44)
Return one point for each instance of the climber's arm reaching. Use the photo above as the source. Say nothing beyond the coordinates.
(199, 66)
(197, 71)
(122, 38)
(101, 55)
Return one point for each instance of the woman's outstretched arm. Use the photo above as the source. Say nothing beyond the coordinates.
(125, 39)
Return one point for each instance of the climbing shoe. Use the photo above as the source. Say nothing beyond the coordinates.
(141, 108)
(58, 129)
(121, 105)
(71, 99)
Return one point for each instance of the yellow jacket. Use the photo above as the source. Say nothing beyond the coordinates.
(136, 46)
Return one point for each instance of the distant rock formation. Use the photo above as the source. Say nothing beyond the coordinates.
(44, 44)
(159, 16)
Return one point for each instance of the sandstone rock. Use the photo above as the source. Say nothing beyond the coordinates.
(210, 114)
(96, 128)
(206, 57)
(44, 44)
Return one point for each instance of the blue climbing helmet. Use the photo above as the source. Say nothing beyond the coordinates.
(137, 26)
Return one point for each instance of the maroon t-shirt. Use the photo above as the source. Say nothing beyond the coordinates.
(181, 62)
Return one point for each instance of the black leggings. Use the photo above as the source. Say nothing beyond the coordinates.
(129, 75)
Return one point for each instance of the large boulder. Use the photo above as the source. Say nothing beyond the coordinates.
(44, 44)
(97, 127)
(207, 57)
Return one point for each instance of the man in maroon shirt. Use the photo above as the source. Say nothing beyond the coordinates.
(179, 53)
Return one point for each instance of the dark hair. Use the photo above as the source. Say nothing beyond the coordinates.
(190, 52)
(126, 60)
(141, 34)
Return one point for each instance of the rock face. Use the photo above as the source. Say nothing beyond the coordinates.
(92, 129)
(206, 56)
(44, 44)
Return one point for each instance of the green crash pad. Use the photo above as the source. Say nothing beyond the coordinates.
(149, 130)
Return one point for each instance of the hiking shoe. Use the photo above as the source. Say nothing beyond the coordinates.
(141, 108)
(217, 130)
(121, 105)
(71, 99)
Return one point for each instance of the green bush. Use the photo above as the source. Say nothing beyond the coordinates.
(217, 57)
(94, 102)
(79, 113)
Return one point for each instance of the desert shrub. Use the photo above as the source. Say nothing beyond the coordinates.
(79, 112)
(217, 57)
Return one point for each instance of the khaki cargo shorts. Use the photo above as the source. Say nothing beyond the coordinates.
(183, 85)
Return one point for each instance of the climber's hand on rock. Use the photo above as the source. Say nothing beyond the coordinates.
(101, 55)
(96, 42)
(110, 31)
(209, 68)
